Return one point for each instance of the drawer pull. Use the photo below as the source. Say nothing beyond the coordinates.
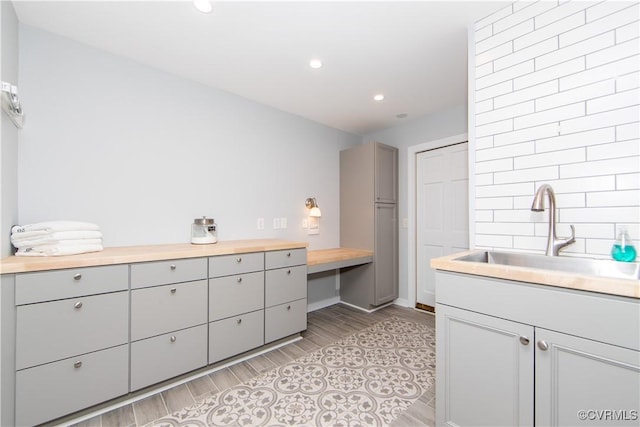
(542, 345)
(524, 340)
(289, 271)
(239, 321)
(173, 290)
(173, 338)
(77, 276)
(239, 280)
(288, 307)
(172, 266)
(77, 364)
(77, 305)
(288, 254)
(239, 260)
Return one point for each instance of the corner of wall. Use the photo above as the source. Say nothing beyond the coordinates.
(8, 132)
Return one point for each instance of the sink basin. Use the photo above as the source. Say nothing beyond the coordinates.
(582, 266)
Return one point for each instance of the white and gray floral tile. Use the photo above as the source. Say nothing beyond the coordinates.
(366, 379)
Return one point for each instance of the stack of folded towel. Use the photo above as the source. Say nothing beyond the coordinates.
(56, 238)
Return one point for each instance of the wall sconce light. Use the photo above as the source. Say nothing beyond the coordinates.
(313, 225)
(312, 204)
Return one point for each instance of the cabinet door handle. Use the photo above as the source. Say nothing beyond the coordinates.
(77, 364)
(542, 345)
(172, 266)
(77, 305)
(289, 271)
(239, 321)
(173, 290)
(239, 260)
(77, 276)
(288, 254)
(239, 280)
(288, 307)
(173, 338)
(524, 340)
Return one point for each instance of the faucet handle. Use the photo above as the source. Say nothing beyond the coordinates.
(572, 239)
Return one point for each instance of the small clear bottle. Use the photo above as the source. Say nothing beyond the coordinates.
(623, 249)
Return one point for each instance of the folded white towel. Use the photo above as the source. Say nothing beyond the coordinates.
(25, 239)
(36, 243)
(55, 250)
(55, 226)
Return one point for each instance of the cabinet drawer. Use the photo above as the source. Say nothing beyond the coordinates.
(228, 265)
(59, 329)
(75, 282)
(166, 356)
(235, 335)
(285, 284)
(167, 308)
(233, 295)
(286, 258)
(165, 272)
(285, 319)
(50, 391)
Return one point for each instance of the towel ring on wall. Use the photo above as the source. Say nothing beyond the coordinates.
(11, 104)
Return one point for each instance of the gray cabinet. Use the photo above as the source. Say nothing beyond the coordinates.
(55, 389)
(165, 356)
(285, 294)
(513, 353)
(369, 220)
(168, 319)
(83, 336)
(574, 374)
(235, 335)
(488, 373)
(236, 304)
(74, 342)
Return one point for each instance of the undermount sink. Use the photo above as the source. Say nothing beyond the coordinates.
(582, 266)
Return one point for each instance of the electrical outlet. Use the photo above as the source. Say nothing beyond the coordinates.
(260, 224)
(283, 222)
(276, 223)
(305, 223)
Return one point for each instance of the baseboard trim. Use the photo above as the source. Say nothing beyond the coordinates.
(365, 310)
(317, 305)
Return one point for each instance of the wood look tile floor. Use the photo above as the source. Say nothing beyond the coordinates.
(324, 327)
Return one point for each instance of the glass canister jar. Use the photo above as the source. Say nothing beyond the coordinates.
(203, 231)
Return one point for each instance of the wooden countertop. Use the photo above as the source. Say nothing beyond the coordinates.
(621, 287)
(131, 254)
(332, 259)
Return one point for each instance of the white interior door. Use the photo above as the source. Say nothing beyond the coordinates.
(442, 206)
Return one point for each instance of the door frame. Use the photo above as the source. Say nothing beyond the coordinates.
(412, 153)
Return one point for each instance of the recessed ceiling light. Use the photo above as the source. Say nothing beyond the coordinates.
(315, 63)
(203, 6)
(378, 97)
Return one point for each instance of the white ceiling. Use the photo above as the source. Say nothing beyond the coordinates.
(412, 52)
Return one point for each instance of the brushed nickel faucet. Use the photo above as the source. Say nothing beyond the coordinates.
(554, 243)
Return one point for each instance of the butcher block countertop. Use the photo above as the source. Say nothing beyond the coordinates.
(332, 259)
(131, 254)
(620, 287)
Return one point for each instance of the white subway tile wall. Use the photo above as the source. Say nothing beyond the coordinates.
(557, 101)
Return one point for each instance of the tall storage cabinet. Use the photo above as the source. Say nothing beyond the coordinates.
(368, 220)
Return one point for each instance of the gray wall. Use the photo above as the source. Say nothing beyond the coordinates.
(142, 152)
(448, 122)
(8, 132)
